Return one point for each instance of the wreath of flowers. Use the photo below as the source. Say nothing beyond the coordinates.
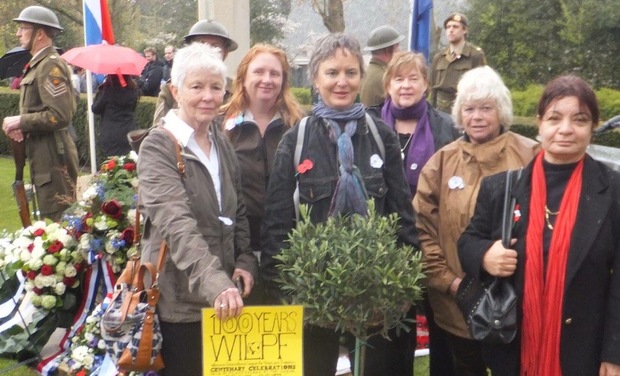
(103, 220)
(47, 255)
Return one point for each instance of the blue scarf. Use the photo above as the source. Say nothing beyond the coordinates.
(350, 195)
(422, 145)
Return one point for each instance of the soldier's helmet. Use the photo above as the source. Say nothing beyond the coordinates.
(211, 27)
(382, 37)
(39, 16)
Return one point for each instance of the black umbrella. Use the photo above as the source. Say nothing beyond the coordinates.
(13, 62)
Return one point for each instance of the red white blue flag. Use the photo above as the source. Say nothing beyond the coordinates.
(97, 22)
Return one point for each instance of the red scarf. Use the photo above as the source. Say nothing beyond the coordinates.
(543, 301)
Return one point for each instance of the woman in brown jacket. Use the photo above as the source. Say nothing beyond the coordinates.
(199, 213)
(447, 192)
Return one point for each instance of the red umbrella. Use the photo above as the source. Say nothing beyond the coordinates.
(106, 59)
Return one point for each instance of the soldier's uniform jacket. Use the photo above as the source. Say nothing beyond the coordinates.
(447, 71)
(372, 92)
(47, 105)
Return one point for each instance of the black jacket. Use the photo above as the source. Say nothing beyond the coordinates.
(117, 106)
(590, 330)
(150, 79)
(386, 185)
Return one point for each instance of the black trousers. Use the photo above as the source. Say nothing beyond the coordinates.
(441, 361)
(467, 356)
(181, 349)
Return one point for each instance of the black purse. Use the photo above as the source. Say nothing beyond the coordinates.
(490, 305)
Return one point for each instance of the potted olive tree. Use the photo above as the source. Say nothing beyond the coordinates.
(350, 274)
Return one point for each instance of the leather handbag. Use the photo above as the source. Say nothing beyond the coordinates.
(489, 305)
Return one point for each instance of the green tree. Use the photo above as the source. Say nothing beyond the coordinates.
(532, 42)
(268, 20)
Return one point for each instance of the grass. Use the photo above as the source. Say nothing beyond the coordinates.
(9, 218)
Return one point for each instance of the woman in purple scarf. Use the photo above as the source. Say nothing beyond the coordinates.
(422, 130)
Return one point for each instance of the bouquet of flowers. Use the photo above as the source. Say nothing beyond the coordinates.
(47, 255)
(103, 220)
(87, 348)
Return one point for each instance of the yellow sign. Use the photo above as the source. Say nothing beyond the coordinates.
(262, 341)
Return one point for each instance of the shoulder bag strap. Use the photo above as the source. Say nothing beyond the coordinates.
(509, 206)
(375, 134)
(301, 133)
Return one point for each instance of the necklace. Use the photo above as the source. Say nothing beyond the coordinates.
(547, 214)
(402, 150)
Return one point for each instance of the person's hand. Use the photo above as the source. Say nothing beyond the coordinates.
(609, 369)
(248, 281)
(16, 135)
(228, 304)
(454, 286)
(10, 124)
(499, 261)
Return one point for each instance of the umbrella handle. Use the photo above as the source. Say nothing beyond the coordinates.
(121, 79)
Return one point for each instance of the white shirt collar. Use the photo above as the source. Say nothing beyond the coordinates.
(180, 129)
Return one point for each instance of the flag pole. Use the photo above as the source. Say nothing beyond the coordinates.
(91, 122)
(89, 101)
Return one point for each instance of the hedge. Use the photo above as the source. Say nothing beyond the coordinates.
(524, 103)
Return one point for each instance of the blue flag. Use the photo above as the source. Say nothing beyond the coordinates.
(420, 40)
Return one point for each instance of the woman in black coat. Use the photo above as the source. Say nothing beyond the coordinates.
(116, 102)
(565, 256)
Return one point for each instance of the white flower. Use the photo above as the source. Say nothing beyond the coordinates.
(89, 336)
(64, 254)
(101, 344)
(35, 264)
(60, 288)
(36, 300)
(70, 271)
(25, 256)
(133, 156)
(60, 267)
(50, 260)
(101, 223)
(48, 301)
(134, 182)
(90, 193)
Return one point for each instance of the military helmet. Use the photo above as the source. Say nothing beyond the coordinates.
(382, 37)
(211, 27)
(39, 16)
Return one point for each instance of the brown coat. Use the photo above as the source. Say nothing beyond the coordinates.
(444, 208)
(203, 249)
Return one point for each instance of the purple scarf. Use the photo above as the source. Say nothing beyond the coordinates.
(422, 145)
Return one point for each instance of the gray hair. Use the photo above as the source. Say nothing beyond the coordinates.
(326, 48)
(194, 57)
(479, 84)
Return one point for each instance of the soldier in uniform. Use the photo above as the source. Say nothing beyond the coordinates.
(449, 65)
(382, 43)
(212, 33)
(47, 105)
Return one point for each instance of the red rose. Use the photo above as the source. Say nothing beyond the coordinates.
(112, 208)
(68, 281)
(30, 247)
(37, 290)
(31, 275)
(55, 247)
(79, 267)
(304, 166)
(111, 164)
(39, 232)
(127, 236)
(129, 166)
(47, 270)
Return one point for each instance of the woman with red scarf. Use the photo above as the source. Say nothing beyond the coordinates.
(565, 256)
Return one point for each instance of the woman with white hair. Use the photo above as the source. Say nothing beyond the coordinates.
(447, 192)
(199, 212)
